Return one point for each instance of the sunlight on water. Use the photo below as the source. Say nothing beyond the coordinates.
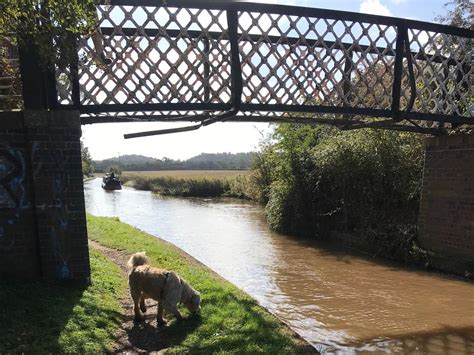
(339, 303)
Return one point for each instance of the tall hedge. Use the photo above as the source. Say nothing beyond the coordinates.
(320, 179)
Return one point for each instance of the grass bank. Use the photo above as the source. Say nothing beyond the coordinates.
(193, 183)
(230, 321)
(44, 319)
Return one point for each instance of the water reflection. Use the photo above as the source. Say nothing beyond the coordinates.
(338, 302)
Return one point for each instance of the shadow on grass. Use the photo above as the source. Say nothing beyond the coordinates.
(230, 323)
(42, 318)
(227, 323)
(34, 314)
(147, 336)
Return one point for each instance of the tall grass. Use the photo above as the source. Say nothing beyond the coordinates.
(228, 186)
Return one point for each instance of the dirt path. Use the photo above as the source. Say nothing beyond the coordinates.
(145, 337)
(133, 338)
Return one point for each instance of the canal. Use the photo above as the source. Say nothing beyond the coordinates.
(338, 302)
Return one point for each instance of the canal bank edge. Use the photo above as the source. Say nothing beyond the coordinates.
(268, 332)
(419, 258)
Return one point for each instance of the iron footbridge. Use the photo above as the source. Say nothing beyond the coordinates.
(214, 61)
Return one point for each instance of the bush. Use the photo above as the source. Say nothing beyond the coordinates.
(322, 180)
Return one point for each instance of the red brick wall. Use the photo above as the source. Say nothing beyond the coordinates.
(446, 221)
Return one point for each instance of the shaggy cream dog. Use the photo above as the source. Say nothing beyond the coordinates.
(166, 287)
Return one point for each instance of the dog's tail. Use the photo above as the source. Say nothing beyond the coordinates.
(137, 259)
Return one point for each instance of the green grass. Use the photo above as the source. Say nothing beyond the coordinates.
(39, 319)
(230, 321)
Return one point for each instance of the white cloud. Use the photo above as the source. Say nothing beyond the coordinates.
(398, 2)
(374, 7)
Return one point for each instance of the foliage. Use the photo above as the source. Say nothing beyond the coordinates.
(87, 165)
(228, 161)
(188, 174)
(230, 321)
(462, 15)
(114, 169)
(52, 25)
(10, 87)
(188, 187)
(244, 187)
(204, 161)
(52, 319)
(323, 179)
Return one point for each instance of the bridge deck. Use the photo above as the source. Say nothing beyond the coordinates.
(208, 61)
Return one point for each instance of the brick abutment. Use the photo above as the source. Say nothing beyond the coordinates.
(43, 231)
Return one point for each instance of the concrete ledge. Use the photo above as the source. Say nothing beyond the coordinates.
(56, 119)
(450, 142)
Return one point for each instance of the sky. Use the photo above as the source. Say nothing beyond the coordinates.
(105, 140)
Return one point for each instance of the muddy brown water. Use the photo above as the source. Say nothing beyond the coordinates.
(340, 303)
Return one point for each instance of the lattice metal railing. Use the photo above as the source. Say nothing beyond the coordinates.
(207, 61)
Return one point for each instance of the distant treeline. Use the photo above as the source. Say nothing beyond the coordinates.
(219, 161)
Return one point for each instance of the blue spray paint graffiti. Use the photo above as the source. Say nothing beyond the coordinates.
(6, 198)
(56, 208)
(13, 196)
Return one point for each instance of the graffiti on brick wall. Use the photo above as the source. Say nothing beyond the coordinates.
(7, 199)
(51, 163)
(13, 196)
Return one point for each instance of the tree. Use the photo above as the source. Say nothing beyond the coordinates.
(114, 169)
(87, 164)
(318, 179)
(10, 88)
(462, 15)
(48, 29)
(51, 25)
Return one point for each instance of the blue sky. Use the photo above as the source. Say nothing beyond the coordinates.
(424, 10)
(106, 140)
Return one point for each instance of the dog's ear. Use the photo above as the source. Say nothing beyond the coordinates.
(138, 259)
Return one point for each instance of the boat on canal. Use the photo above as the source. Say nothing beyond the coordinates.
(111, 182)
